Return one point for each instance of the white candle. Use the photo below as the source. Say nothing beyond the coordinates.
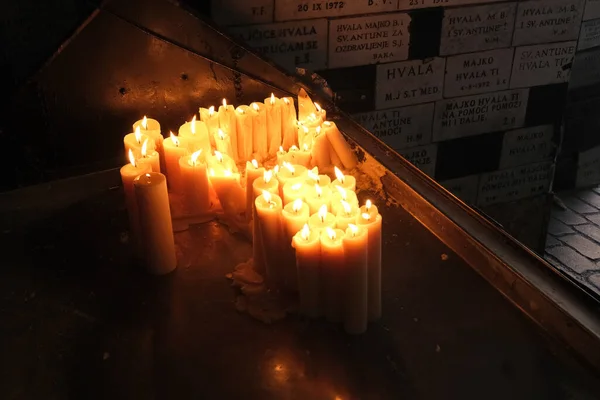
(345, 215)
(268, 212)
(151, 127)
(356, 279)
(320, 112)
(265, 183)
(315, 178)
(348, 182)
(288, 123)
(300, 157)
(339, 195)
(128, 173)
(196, 133)
(293, 190)
(318, 196)
(211, 119)
(373, 225)
(260, 146)
(321, 219)
(223, 143)
(308, 260)
(155, 223)
(305, 105)
(220, 162)
(282, 156)
(228, 123)
(320, 150)
(333, 268)
(175, 148)
(253, 172)
(135, 140)
(273, 106)
(195, 190)
(294, 217)
(290, 173)
(152, 158)
(339, 144)
(229, 190)
(244, 132)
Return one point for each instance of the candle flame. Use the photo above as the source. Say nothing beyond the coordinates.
(318, 107)
(193, 126)
(330, 233)
(339, 175)
(313, 116)
(240, 110)
(353, 229)
(305, 147)
(327, 123)
(276, 170)
(305, 129)
(131, 158)
(289, 167)
(342, 191)
(294, 148)
(267, 175)
(318, 190)
(255, 106)
(318, 131)
(221, 134)
(194, 157)
(314, 174)
(272, 98)
(211, 172)
(254, 163)
(227, 172)
(174, 139)
(211, 111)
(366, 216)
(145, 122)
(281, 149)
(286, 100)
(305, 232)
(296, 187)
(267, 196)
(347, 207)
(368, 205)
(225, 103)
(138, 134)
(219, 156)
(297, 205)
(322, 213)
(145, 148)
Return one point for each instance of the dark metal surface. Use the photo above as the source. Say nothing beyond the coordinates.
(80, 322)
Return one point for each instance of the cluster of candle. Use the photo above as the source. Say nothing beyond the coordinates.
(261, 164)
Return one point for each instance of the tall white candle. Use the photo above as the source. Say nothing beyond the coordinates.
(195, 189)
(223, 143)
(308, 260)
(333, 265)
(273, 106)
(288, 123)
(265, 183)
(229, 190)
(300, 157)
(320, 150)
(294, 217)
(373, 225)
(228, 123)
(128, 173)
(152, 158)
(318, 196)
(268, 211)
(244, 133)
(356, 279)
(345, 215)
(175, 148)
(348, 182)
(151, 127)
(155, 223)
(340, 145)
(211, 119)
(305, 105)
(135, 140)
(253, 172)
(260, 146)
(196, 133)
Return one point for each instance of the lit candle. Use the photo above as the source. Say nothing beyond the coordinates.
(253, 172)
(128, 173)
(305, 105)
(315, 178)
(268, 213)
(356, 279)
(229, 191)
(335, 159)
(373, 225)
(228, 123)
(259, 130)
(223, 143)
(320, 112)
(265, 183)
(318, 196)
(348, 182)
(244, 133)
(300, 157)
(321, 219)
(211, 119)
(370, 209)
(340, 145)
(308, 260)
(295, 216)
(155, 223)
(288, 123)
(195, 190)
(196, 133)
(273, 107)
(312, 121)
(293, 190)
(338, 195)
(304, 136)
(290, 173)
(333, 271)
(134, 141)
(282, 156)
(220, 162)
(151, 158)
(151, 127)
(320, 150)
(175, 148)
(345, 215)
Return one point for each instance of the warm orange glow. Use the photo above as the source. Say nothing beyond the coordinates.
(330, 233)
(225, 103)
(174, 139)
(272, 98)
(267, 196)
(342, 191)
(227, 172)
(313, 116)
(297, 186)
(145, 148)
(314, 174)
(368, 205)
(219, 156)
(193, 126)
(305, 232)
(347, 207)
(221, 134)
(286, 101)
(294, 148)
(318, 130)
(211, 172)
(305, 147)
(297, 205)
(305, 129)
(138, 134)
(289, 167)
(327, 123)
(211, 110)
(366, 216)
(254, 163)
(145, 122)
(194, 157)
(339, 175)
(276, 170)
(281, 150)
(267, 175)
(318, 107)
(240, 110)
(131, 158)
(255, 106)
(318, 190)
(322, 213)
(353, 228)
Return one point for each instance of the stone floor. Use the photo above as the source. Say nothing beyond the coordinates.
(573, 242)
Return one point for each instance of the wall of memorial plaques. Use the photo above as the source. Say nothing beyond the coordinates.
(472, 92)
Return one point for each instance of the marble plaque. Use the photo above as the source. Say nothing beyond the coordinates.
(236, 12)
(526, 146)
(479, 28)
(542, 64)
(543, 21)
(286, 10)
(588, 168)
(586, 69)
(472, 115)
(414, 4)
(422, 157)
(402, 127)
(464, 188)
(409, 82)
(592, 10)
(590, 35)
(290, 44)
(474, 73)
(368, 40)
(515, 183)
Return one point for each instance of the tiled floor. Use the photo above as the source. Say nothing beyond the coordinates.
(573, 242)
